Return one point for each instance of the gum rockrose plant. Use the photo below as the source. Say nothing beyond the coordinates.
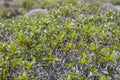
(66, 44)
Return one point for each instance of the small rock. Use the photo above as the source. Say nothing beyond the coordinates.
(33, 12)
(117, 7)
(106, 6)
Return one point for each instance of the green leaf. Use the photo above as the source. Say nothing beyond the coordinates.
(101, 77)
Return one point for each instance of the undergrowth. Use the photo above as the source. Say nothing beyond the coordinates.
(66, 43)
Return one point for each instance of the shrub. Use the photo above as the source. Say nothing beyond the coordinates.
(65, 44)
(56, 3)
(27, 4)
(115, 1)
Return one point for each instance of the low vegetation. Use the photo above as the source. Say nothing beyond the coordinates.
(115, 1)
(70, 43)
